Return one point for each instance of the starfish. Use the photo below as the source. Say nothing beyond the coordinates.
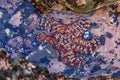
(68, 39)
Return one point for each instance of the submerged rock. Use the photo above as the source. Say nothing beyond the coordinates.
(68, 44)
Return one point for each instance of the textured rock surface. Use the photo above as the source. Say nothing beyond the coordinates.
(24, 36)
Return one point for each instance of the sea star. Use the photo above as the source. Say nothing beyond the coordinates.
(68, 39)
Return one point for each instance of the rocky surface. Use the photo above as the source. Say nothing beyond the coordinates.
(24, 57)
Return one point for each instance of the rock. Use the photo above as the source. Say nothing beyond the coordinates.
(80, 2)
(58, 7)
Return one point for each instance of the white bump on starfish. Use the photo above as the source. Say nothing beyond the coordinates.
(41, 47)
(48, 51)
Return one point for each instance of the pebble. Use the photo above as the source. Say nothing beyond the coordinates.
(1, 13)
(26, 72)
(94, 25)
(102, 40)
(109, 35)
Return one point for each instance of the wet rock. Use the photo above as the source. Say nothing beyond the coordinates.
(117, 74)
(80, 2)
(2, 54)
(26, 72)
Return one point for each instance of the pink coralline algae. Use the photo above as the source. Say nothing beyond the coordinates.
(16, 19)
(68, 39)
(10, 5)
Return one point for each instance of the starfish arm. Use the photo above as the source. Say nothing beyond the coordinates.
(41, 37)
(49, 25)
(82, 23)
(69, 58)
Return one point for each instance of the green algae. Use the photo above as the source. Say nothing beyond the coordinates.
(46, 6)
(89, 6)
